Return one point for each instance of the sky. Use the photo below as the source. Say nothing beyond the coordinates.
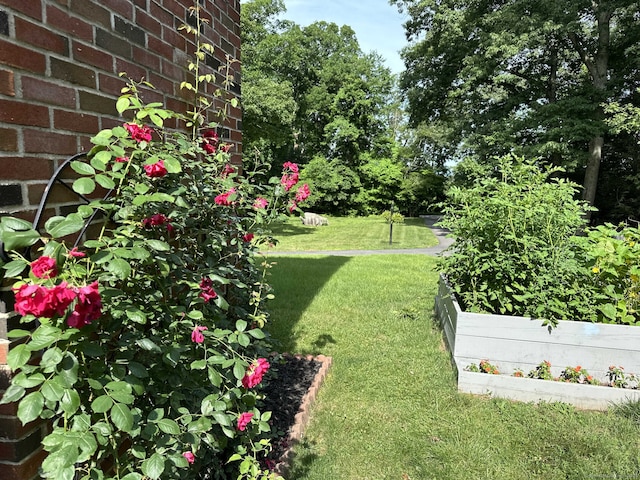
(377, 24)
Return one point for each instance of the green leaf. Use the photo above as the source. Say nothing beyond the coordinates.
(30, 407)
(244, 340)
(138, 370)
(198, 364)
(52, 390)
(136, 315)
(12, 394)
(608, 311)
(172, 165)
(153, 466)
(51, 357)
(19, 240)
(28, 381)
(169, 426)
(70, 401)
(256, 333)
(105, 181)
(84, 186)
(120, 268)
(122, 104)
(132, 476)
(18, 356)
(241, 325)
(71, 224)
(238, 370)
(44, 336)
(15, 224)
(222, 418)
(14, 268)
(158, 245)
(122, 417)
(147, 344)
(102, 404)
(100, 160)
(82, 168)
(18, 333)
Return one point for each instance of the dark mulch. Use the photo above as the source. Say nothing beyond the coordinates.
(284, 387)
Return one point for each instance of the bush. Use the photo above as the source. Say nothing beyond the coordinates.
(150, 334)
(515, 246)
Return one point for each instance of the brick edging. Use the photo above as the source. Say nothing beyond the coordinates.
(302, 417)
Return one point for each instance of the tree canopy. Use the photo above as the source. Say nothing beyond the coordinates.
(497, 76)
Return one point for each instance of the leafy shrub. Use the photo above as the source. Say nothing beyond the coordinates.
(613, 256)
(515, 246)
(150, 334)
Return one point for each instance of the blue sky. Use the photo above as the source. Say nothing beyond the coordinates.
(377, 24)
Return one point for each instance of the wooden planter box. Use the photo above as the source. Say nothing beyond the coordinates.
(511, 343)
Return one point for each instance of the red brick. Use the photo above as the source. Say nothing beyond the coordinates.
(21, 57)
(16, 450)
(8, 408)
(171, 70)
(8, 142)
(133, 71)
(7, 83)
(92, 11)
(72, 73)
(38, 141)
(4, 350)
(148, 23)
(161, 14)
(110, 84)
(177, 9)
(172, 37)
(26, 469)
(48, 92)
(162, 84)
(143, 57)
(22, 113)
(41, 37)
(73, 25)
(160, 47)
(75, 122)
(123, 7)
(25, 168)
(92, 56)
(32, 8)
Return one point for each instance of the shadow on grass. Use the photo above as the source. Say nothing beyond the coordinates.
(296, 281)
(288, 230)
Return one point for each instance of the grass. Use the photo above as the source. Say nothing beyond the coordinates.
(352, 233)
(389, 408)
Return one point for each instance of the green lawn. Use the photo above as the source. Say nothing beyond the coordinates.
(352, 233)
(389, 408)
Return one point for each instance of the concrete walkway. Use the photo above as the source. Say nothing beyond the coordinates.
(430, 221)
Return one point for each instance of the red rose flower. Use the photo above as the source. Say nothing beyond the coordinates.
(260, 203)
(41, 301)
(255, 372)
(196, 334)
(244, 420)
(44, 267)
(75, 253)
(210, 141)
(88, 307)
(138, 133)
(207, 292)
(247, 237)
(156, 169)
(223, 198)
(303, 193)
(190, 457)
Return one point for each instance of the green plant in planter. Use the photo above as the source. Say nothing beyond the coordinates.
(515, 248)
(148, 348)
(613, 256)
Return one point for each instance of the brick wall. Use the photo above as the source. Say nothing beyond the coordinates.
(59, 65)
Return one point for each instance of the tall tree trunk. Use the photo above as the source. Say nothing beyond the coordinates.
(597, 66)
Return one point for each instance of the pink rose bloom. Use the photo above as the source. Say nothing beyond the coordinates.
(157, 220)
(189, 456)
(223, 198)
(88, 307)
(207, 291)
(226, 147)
(138, 133)
(155, 169)
(196, 334)
(292, 207)
(41, 301)
(74, 252)
(122, 159)
(289, 175)
(244, 420)
(210, 141)
(227, 170)
(254, 374)
(303, 193)
(260, 203)
(44, 267)
(247, 237)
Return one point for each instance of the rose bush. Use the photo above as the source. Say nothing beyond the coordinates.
(147, 347)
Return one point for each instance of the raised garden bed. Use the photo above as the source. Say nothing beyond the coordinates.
(522, 343)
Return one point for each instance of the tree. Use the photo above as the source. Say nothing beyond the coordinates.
(516, 75)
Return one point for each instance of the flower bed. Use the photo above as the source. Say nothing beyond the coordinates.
(519, 343)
